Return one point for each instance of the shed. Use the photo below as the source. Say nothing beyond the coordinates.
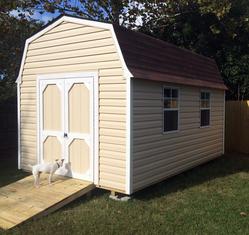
(126, 110)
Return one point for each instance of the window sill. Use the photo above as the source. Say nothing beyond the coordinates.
(170, 132)
(203, 127)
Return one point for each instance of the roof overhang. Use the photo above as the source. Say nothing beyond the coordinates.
(167, 78)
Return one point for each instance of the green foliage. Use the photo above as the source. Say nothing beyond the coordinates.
(13, 33)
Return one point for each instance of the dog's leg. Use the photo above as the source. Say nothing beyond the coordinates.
(50, 177)
(38, 180)
(35, 179)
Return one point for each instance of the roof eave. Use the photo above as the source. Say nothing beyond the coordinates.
(159, 77)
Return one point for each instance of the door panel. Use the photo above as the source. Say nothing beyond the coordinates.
(79, 108)
(79, 156)
(52, 149)
(52, 108)
(51, 111)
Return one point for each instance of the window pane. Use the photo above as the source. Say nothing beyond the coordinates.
(174, 103)
(203, 96)
(167, 92)
(174, 93)
(167, 103)
(205, 117)
(170, 120)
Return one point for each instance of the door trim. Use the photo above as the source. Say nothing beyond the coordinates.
(95, 115)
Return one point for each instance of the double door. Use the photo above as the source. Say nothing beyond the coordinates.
(66, 124)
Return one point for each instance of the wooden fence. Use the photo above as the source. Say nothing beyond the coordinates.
(8, 130)
(237, 126)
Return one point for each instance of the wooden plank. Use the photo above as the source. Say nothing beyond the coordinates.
(65, 201)
(5, 223)
(29, 201)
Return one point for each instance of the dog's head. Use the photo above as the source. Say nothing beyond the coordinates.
(60, 161)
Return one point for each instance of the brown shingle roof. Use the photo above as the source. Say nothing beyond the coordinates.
(153, 59)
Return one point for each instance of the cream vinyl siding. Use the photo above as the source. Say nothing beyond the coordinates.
(157, 156)
(71, 47)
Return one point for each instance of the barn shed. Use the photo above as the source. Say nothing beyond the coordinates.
(124, 109)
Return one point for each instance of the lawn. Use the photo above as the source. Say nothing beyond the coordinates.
(206, 200)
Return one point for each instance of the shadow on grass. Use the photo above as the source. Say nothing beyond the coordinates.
(9, 172)
(217, 168)
(95, 193)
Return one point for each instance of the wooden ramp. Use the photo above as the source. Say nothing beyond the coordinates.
(21, 201)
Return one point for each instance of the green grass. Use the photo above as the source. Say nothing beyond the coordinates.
(205, 200)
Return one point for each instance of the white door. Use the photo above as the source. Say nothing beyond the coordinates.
(66, 124)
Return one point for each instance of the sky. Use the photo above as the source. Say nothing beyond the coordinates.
(45, 17)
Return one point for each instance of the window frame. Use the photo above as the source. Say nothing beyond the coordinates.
(210, 95)
(171, 109)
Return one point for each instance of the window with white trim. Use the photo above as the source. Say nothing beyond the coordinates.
(170, 109)
(204, 108)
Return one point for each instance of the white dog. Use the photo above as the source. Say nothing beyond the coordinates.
(46, 168)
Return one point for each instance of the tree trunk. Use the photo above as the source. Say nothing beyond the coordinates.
(117, 6)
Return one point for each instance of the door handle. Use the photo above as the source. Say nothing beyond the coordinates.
(65, 135)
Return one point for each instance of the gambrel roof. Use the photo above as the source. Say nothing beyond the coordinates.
(145, 57)
(154, 59)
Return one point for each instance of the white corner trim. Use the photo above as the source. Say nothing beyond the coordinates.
(18, 127)
(76, 21)
(96, 128)
(224, 122)
(19, 78)
(38, 120)
(128, 179)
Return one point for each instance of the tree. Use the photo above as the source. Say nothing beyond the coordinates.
(14, 31)
(218, 29)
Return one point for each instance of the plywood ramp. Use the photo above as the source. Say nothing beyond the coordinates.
(21, 201)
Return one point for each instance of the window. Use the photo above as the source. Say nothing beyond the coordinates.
(205, 109)
(170, 109)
